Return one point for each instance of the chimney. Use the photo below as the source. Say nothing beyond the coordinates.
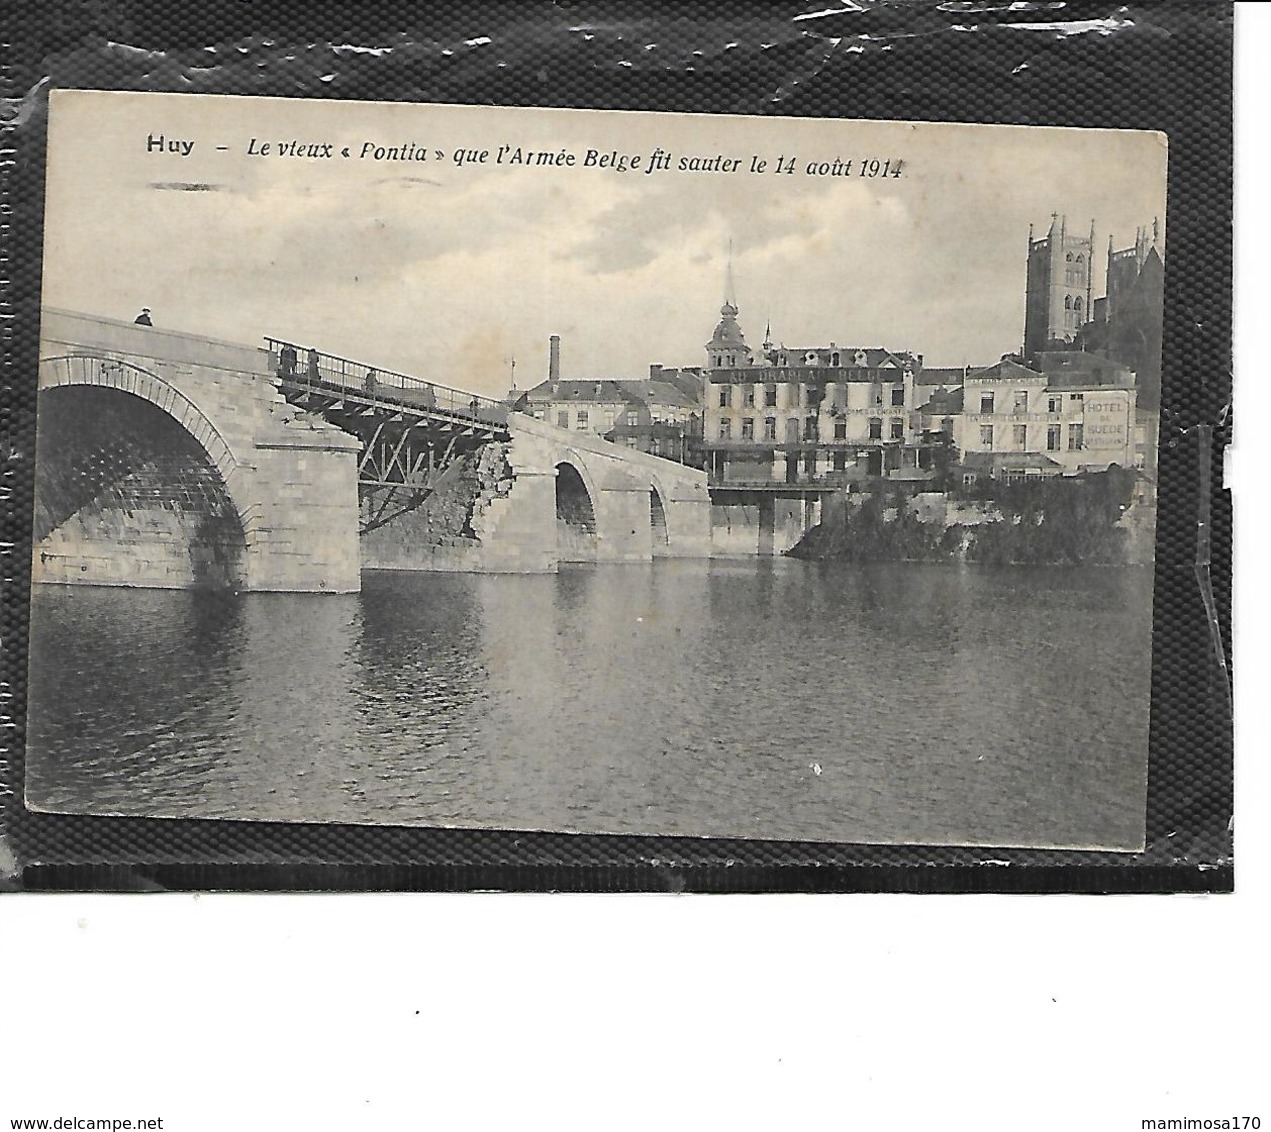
(553, 363)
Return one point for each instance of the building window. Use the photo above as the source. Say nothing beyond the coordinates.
(770, 428)
(1075, 438)
(840, 461)
(897, 396)
(1054, 404)
(1052, 438)
(986, 402)
(609, 415)
(748, 428)
(769, 396)
(834, 358)
(725, 396)
(725, 429)
(581, 421)
(1021, 401)
(633, 418)
(809, 428)
(750, 397)
(898, 428)
(875, 428)
(986, 435)
(840, 429)
(732, 361)
(1021, 436)
(1076, 397)
(562, 419)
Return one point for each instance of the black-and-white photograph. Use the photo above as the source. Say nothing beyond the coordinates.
(596, 471)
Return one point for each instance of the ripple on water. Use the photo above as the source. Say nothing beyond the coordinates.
(939, 703)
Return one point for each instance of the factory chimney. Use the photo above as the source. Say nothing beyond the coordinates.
(553, 363)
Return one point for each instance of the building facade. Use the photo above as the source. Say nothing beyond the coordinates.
(659, 415)
(1076, 416)
(813, 415)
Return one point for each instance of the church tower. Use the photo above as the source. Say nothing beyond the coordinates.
(1059, 287)
(727, 348)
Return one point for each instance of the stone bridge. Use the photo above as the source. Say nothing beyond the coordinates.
(173, 460)
(548, 496)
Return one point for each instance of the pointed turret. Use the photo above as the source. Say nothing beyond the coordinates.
(727, 348)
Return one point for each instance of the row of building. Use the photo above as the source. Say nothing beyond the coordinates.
(1081, 395)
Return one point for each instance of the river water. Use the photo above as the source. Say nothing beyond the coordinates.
(770, 698)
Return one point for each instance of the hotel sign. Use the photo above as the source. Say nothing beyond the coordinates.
(773, 375)
(1106, 420)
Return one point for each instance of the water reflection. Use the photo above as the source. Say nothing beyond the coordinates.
(778, 698)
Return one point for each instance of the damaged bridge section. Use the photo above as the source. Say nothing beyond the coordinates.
(547, 496)
(173, 460)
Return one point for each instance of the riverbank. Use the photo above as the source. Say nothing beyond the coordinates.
(1082, 521)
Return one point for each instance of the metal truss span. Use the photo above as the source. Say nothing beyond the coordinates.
(416, 435)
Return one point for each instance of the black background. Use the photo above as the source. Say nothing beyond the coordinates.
(1163, 66)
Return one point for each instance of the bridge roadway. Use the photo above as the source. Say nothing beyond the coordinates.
(415, 434)
(174, 460)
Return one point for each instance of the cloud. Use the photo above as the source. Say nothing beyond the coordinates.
(450, 272)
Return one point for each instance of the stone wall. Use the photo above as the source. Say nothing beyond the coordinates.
(746, 524)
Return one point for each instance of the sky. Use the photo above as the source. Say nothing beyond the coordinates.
(450, 269)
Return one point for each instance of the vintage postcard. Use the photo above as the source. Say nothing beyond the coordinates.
(594, 471)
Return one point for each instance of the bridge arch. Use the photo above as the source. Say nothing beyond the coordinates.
(658, 518)
(128, 377)
(576, 507)
(125, 460)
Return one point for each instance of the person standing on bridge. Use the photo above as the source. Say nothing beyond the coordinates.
(372, 381)
(143, 319)
(313, 365)
(287, 361)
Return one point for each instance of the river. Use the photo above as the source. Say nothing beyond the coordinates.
(771, 698)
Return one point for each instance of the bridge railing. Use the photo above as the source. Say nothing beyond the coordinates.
(306, 365)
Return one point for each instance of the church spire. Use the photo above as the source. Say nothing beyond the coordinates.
(730, 289)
